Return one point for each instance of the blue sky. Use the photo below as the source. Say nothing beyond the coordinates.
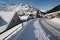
(40, 4)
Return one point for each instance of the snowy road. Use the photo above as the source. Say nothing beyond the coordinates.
(52, 27)
(37, 29)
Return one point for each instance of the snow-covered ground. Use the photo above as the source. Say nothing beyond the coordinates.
(24, 17)
(11, 31)
(55, 20)
(31, 31)
(53, 29)
(35, 29)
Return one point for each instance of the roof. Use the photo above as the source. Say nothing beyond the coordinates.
(5, 18)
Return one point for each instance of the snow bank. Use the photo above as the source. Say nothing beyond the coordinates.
(55, 20)
(11, 32)
(23, 17)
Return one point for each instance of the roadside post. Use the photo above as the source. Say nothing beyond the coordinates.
(22, 23)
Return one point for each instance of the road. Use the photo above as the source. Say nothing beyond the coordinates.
(52, 27)
(38, 29)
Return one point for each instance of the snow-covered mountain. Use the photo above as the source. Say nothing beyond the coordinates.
(6, 8)
(43, 10)
(23, 8)
(20, 9)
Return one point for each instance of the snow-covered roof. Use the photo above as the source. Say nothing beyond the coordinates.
(5, 19)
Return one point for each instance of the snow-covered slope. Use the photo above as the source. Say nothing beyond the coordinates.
(56, 20)
(23, 8)
(19, 8)
(7, 8)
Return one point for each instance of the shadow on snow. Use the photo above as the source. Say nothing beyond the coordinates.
(48, 32)
(27, 33)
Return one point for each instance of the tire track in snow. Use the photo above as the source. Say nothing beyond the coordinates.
(40, 32)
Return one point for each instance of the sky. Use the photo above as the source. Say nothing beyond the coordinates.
(40, 4)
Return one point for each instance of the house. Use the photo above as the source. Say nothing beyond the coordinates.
(8, 20)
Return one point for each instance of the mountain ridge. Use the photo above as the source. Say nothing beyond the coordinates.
(56, 8)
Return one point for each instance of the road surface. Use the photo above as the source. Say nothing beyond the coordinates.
(54, 28)
(38, 29)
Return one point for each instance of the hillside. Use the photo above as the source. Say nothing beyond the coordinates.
(22, 8)
(57, 8)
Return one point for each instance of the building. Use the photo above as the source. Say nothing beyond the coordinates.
(8, 20)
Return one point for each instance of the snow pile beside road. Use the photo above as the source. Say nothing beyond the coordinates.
(6, 35)
(23, 17)
(56, 20)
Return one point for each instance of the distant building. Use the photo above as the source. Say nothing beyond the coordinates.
(8, 20)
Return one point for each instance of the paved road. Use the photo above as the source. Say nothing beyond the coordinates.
(37, 29)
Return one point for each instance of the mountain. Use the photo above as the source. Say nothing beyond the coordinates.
(57, 8)
(18, 7)
(21, 9)
(6, 8)
(24, 9)
(43, 10)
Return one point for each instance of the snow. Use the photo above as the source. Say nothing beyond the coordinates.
(5, 34)
(2, 22)
(55, 20)
(23, 8)
(7, 8)
(11, 32)
(51, 29)
(31, 31)
(24, 17)
(41, 33)
(43, 10)
(6, 17)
